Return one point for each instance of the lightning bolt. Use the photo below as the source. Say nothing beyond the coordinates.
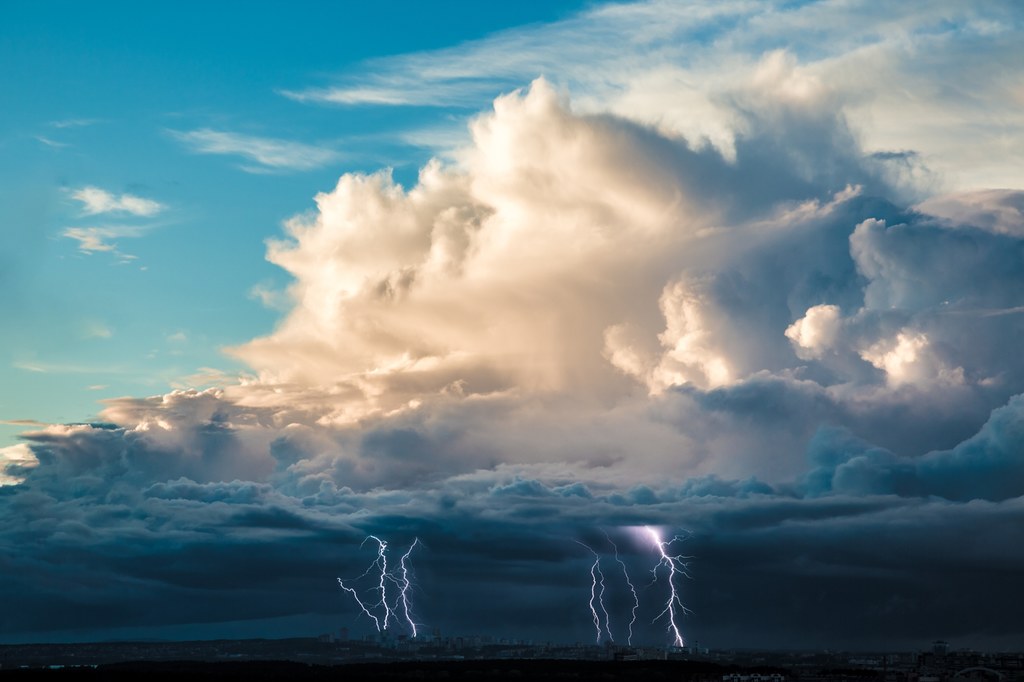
(636, 599)
(404, 586)
(676, 565)
(382, 563)
(359, 601)
(399, 578)
(598, 596)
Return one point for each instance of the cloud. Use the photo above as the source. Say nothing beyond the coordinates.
(636, 287)
(577, 284)
(51, 143)
(96, 201)
(23, 422)
(93, 239)
(269, 153)
(816, 331)
(15, 461)
(470, 72)
(986, 466)
(100, 238)
(376, 264)
(43, 367)
(74, 122)
(999, 211)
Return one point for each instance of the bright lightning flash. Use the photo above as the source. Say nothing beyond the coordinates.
(404, 585)
(676, 565)
(636, 599)
(399, 578)
(597, 589)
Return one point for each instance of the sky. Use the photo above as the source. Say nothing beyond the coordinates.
(724, 299)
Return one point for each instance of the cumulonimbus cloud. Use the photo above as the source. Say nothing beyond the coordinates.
(633, 286)
(586, 320)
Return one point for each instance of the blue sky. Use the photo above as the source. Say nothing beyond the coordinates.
(504, 281)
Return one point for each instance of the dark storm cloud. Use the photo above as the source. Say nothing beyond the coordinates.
(762, 563)
(989, 465)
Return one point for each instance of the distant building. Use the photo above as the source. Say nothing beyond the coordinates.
(753, 677)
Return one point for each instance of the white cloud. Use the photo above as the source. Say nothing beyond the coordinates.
(51, 143)
(998, 210)
(15, 460)
(269, 153)
(689, 350)
(816, 332)
(93, 239)
(66, 368)
(505, 249)
(74, 122)
(96, 201)
(908, 358)
(897, 357)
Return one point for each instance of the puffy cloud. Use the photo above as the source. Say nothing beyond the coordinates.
(989, 465)
(905, 359)
(558, 243)
(690, 354)
(816, 331)
(15, 461)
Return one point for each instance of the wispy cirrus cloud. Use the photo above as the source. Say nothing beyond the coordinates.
(51, 143)
(74, 122)
(93, 239)
(47, 367)
(675, 65)
(24, 422)
(96, 201)
(268, 153)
